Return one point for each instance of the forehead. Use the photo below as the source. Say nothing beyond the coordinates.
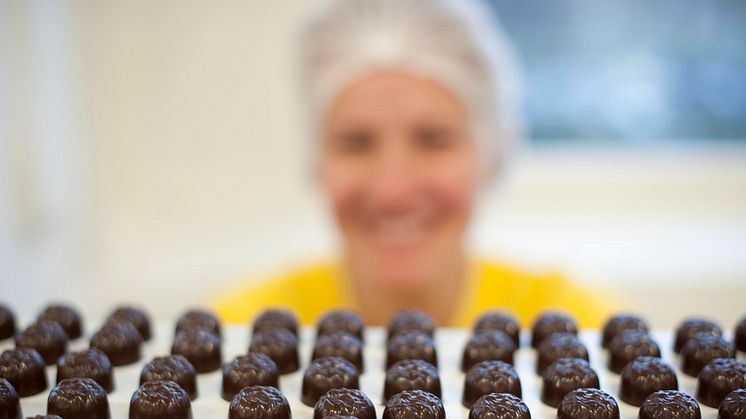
(396, 96)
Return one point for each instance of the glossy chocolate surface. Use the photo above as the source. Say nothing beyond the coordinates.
(644, 376)
(199, 318)
(254, 369)
(342, 321)
(619, 323)
(259, 402)
(411, 320)
(67, 316)
(411, 374)
(344, 402)
(414, 404)
(174, 368)
(341, 344)
(490, 377)
(10, 405)
(670, 404)
(7, 323)
(201, 347)
(502, 322)
(733, 405)
(133, 315)
(276, 319)
(629, 345)
(499, 406)
(699, 351)
(692, 327)
(718, 378)
(552, 322)
(121, 342)
(411, 345)
(559, 345)
(88, 363)
(47, 337)
(159, 400)
(588, 403)
(564, 376)
(487, 346)
(78, 398)
(325, 374)
(280, 345)
(24, 368)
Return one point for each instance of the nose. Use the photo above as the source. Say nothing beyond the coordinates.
(394, 180)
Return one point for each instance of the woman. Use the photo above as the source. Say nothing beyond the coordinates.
(412, 106)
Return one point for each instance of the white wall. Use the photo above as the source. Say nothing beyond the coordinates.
(195, 173)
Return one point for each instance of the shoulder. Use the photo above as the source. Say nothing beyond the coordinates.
(307, 290)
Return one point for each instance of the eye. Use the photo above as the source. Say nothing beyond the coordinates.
(353, 142)
(434, 138)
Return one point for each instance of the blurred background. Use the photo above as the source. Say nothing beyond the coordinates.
(154, 152)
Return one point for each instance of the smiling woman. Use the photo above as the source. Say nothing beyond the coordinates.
(412, 107)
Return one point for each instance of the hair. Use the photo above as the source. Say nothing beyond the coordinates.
(458, 43)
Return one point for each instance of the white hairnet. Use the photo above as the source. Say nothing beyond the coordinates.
(458, 43)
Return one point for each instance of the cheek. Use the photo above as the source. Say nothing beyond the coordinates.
(341, 186)
(456, 183)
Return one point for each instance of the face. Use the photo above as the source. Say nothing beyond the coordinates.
(400, 167)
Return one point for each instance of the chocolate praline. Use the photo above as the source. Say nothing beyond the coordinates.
(411, 345)
(45, 336)
(88, 363)
(411, 374)
(718, 378)
(10, 406)
(254, 369)
(644, 376)
(276, 319)
(486, 346)
(121, 342)
(411, 320)
(699, 351)
(259, 402)
(66, 316)
(344, 402)
(629, 345)
(80, 398)
(160, 399)
(559, 345)
(588, 403)
(7, 323)
(25, 370)
(733, 405)
(502, 322)
(414, 404)
(564, 376)
(490, 377)
(45, 417)
(341, 344)
(690, 328)
(499, 406)
(174, 368)
(200, 346)
(134, 315)
(342, 321)
(199, 318)
(552, 322)
(280, 345)
(325, 374)
(739, 335)
(619, 323)
(669, 404)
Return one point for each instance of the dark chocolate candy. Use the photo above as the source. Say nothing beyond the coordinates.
(174, 368)
(276, 319)
(259, 402)
(254, 369)
(644, 376)
(44, 417)
(564, 376)
(25, 370)
(559, 345)
(588, 403)
(552, 322)
(10, 406)
(341, 344)
(159, 400)
(325, 374)
(740, 335)
(499, 406)
(66, 316)
(200, 346)
(411, 374)
(134, 315)
(344, 402)
(502, 322)
(47, 337)
(414, 404)
(733, 405)
(487, 346)
(7, 323)
(121, 342)
(280, 345)
(490, 377)
(78, 398)
(627, 346)
(699, 351)
(669, 404)
(199, 318)
(718, 378)
(690, 328)
(619, 323)
(411, 345)
(411, 320)
(342, 321)
(88, 363)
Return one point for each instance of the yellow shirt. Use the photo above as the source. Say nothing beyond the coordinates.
(312, 291)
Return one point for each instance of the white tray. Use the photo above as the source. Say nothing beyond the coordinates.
(450, 343)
